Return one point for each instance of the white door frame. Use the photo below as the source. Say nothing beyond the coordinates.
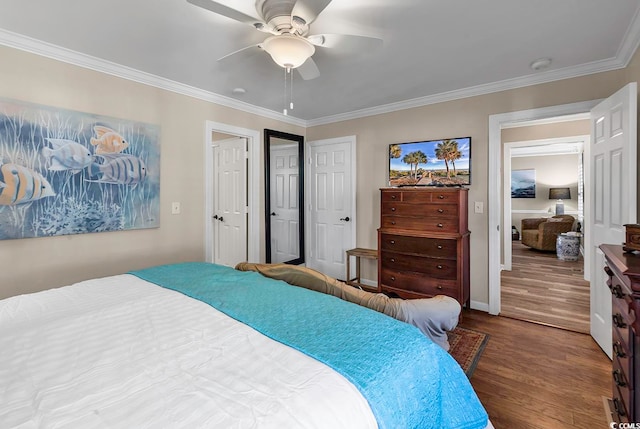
(506, 179)
(254, 236)
(496, 122)
(308, 192)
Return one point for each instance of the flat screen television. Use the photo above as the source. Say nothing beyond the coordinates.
(445, 162)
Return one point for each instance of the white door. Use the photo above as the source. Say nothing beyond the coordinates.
(331, 204)
(230, 202)
(284, 190)
(613, 194)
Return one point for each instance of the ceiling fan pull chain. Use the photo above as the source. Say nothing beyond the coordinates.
(290, 89)
(284, 98)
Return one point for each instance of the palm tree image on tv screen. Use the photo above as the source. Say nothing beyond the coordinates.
(431, 163)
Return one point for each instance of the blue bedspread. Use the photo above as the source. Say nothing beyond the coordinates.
(409, 381)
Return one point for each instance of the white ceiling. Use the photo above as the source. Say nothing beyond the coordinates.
(432, 51)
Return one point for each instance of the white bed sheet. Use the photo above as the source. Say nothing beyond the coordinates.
(120, 352)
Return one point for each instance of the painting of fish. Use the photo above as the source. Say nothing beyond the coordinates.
(67, 155)
(67, 172)
(108, 140)
(21, 185)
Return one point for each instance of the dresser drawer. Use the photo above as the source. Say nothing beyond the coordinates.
(436, 197)
(622, 352)
(621, 405)
(434, 267)
(420, 224)
(419, 283)
(432, 247)
(391, 196)
(435, 211)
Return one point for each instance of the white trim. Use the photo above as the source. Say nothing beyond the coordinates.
(38, 47)
(308, 192)
(519, 82)
(65, 55)
(253, 187)
(547, 121)
(508, 148)
(495, 186)
(481, 306)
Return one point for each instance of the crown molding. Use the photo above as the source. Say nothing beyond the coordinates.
(624, 55)
(489, 88)
(69, 56)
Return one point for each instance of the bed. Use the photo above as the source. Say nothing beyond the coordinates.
(198, 345)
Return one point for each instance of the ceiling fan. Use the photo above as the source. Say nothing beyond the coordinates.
(290, 44)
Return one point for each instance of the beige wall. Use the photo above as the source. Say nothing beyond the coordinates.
(34, 264)
(466, 117)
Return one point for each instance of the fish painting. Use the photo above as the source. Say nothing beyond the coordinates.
(118, 169)
(108, 141)
(67, 155)
(21, 185)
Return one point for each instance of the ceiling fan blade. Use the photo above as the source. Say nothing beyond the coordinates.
(345, 42)
(246, 48)
(223, 10)
(308, 70)
(309, 9)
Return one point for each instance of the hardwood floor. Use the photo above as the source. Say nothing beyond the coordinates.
(532, 376)
(543, 289)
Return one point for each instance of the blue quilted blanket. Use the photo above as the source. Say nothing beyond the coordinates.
(409, 381)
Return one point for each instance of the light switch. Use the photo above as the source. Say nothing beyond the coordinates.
(478, 207)
(175, 208)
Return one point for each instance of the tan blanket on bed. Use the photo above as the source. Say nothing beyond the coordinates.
(433, 316)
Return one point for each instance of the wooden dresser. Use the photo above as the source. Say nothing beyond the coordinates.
(423, 243)
(623, 270)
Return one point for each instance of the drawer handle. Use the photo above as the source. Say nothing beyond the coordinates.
(618, 378)
(439, 246)
(618, 407)
(393, 209)
(618, 350)
(392, 259)
(441, 197)
(440, 211)
(617, 291)
(618, 320)
(392, 241)
(393, 222)
(440, 225)
(393, 279)
(439, 287)
(393, 197)
(608, 271)
(439, 267)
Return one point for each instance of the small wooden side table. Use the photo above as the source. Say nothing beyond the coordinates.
(359, 253)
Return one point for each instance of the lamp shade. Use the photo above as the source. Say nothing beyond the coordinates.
(288, 50)
(559, 193)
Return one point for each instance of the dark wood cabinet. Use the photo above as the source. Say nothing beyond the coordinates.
(623, 270)
(423, 243)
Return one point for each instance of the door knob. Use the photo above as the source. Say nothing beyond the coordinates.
(346, 219)
(273, 213)
(215, 216)
(221, 219)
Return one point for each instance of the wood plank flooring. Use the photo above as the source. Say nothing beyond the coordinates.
(532, 376)
(543, 289)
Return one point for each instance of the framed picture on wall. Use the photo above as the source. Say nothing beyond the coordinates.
(523, 183)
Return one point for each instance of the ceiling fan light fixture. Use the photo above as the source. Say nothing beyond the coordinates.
(288, 51)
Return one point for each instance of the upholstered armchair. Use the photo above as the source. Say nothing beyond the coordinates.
(541, 233)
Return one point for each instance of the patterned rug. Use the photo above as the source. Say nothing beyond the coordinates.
(466, 347)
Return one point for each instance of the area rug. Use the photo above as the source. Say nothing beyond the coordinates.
(466, 347)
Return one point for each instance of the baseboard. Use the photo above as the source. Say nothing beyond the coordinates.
(482, 306)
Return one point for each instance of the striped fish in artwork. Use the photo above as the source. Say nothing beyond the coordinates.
(118, 169)
(21, 185)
